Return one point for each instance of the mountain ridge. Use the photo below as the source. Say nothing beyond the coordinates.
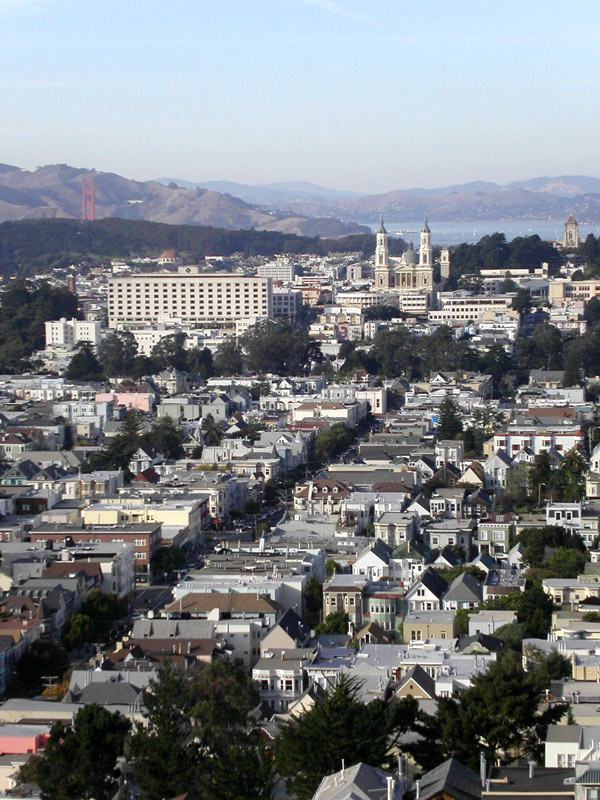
(55, 190)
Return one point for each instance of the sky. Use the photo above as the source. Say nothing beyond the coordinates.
(363, 95)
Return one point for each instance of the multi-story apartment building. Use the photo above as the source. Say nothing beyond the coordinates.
(284, 271)
(286, 303)
(66, 333)
(188, 296)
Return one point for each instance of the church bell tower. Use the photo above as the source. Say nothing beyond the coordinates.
(382, 258)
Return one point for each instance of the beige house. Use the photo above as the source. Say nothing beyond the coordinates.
(421, 625)
(344, 593)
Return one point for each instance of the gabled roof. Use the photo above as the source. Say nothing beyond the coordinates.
(294, 626)
(418, 675)
(358, 782)
(465, 589)
(490, 643)
(433, 581)
(454, 779)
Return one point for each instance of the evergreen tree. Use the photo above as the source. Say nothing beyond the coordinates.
(500, 712)
(84, 366)
(229, 359)
(164, 754)
(118, 354)
(79, 762)
(212, 433)
(170, 352)
(338, 728)
(449, 424)
(167, 437)
(122, 447)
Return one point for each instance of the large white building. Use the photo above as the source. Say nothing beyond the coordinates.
(188, 297)
(283, 271)
(67, 333)
(462, 307)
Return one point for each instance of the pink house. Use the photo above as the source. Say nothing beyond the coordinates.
(131, 396)
(22, 738)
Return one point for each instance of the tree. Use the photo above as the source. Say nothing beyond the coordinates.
(118, 353)
(84, 366)
(25, 307)
(331, 567)
(338, 728)
(165, 756)
(43, 657)
(80, 630)
(313, 600)
(274, 346)
(541, 542)
(168, 559)
(200, 361)
(521, 301)
(167, 437)
(79, 762)
(212, 432)
(335, 623)
(224, 697)
(123, 446)
(229, 359)
(500, 712)
(591, 311)
(449, 424)
(333, 441)
(170, 352)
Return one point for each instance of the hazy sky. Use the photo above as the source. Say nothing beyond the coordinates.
(369, 95)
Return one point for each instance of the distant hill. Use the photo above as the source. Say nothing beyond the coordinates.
(38, 245)
(271, 194)
(300, 208)
(538, 198)
(54, 191)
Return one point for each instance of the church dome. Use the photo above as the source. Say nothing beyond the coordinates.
(410, 256)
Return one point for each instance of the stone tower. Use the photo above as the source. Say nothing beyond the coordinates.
(425, 250)
(445, 263)
(382, 259)
(571, 234)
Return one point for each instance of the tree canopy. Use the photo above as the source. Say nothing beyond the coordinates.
(338, 728)
(79, 761)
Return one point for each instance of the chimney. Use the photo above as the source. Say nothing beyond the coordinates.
(343, 769)
(482, 767)
(400, 766)
(531, 770)
(390, 787)
(418, 788)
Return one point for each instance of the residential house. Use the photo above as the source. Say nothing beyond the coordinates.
(465, 591)
(373, 562)
(427, 593)
(281, 677)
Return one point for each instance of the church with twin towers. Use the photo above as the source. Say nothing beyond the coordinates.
(412, 271)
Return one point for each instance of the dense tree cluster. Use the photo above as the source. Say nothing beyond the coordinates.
(118, 453)
(24, 308)
(339, 728)
(500, 712)
(332, 442)
(79, 761)
(493, 251)
(29, 246)
(198, 737)
(99, 611)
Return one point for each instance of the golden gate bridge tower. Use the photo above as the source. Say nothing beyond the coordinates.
(87, 199)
